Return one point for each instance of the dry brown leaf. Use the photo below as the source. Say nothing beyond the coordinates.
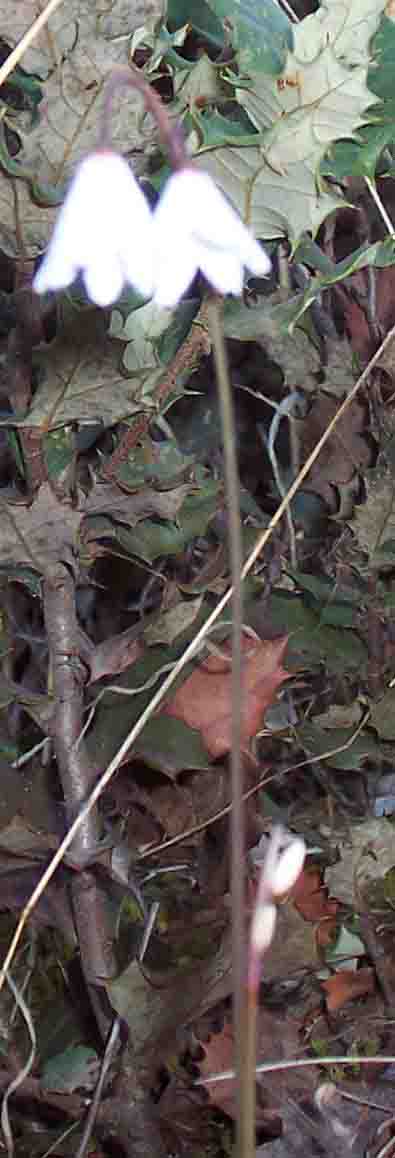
(346, 985)
(277, 1038)
(204, 700)
(81, 378)
(142, 504)
(345, 453)
(41, 534)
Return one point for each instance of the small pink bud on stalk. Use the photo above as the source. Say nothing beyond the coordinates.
(279, 873)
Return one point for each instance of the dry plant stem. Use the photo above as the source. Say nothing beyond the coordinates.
(111, 1046)
(195, 346)
(187, 655)
(31, 34)
(301, 1063)
(237, 841)
(381, 208)
(75, 769)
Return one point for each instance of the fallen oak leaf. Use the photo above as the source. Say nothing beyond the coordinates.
(204, 700)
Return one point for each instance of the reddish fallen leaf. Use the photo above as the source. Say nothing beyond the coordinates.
(204, 700)
(277, 1039)
(310, 897)
(346, 985)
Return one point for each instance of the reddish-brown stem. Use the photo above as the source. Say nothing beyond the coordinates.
(171, 135)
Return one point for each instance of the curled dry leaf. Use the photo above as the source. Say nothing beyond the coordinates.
(204, 700)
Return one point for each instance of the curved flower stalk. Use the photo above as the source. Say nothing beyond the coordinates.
(103, 231)
(195, 228)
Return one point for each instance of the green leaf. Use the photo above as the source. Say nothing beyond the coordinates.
(347, 945)
(383, 715)
(216, 130)
(273, 204)
(380, 255)
(316, 742)
(173, 622)
(150, 539)
(166, 469)
(358, 158)
(77, 1066)
(152, 334)
(338, 649)
(381, 71)
(325, 590)
(199, 15)
(261, 32)
(169, 746)
(164, 747)
(58, 448)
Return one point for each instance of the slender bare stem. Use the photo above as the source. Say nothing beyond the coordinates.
(381, 208)
(237, 816)
(31, 34)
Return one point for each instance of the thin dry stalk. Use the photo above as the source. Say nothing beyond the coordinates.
(31, 35)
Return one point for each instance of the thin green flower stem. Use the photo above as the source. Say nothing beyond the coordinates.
(237, 842)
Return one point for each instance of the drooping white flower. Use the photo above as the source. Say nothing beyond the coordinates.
(103, 231)
(195, 228)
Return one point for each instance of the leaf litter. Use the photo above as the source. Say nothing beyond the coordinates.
(131, 511)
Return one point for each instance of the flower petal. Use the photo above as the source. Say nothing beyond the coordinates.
(174, 272)
(103, 280)
(222, 270)
(195, 227)
(105, 222)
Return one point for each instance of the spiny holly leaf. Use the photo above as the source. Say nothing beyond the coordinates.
(348, 27)
(42, 533)
(204, 700)
(81, 378)
(84, 45)
(50, 529)
(323, 93)
(321, 97)
(261, 32)
(374, 521)
(273, 204)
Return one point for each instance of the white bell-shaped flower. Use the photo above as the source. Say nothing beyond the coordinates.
(195, 228)
(103, 232)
